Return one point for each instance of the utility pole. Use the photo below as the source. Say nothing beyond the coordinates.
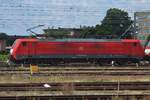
(135, 27)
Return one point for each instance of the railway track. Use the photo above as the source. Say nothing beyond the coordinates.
(77, 65)
(80, 71)
(77, 68)
(76, 86)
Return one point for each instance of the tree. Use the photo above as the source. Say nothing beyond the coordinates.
(9, 40)
(3, 36)
(87, 30)
(56, 33)
(116, 22)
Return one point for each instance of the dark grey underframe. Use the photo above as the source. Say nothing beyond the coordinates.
(64, 56)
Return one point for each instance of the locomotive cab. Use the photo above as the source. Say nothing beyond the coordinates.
(11, 53)
(21, 49)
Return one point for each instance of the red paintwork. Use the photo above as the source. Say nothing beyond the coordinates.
(123, 47)
(18, 49)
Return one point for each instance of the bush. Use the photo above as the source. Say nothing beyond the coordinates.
(3, 57)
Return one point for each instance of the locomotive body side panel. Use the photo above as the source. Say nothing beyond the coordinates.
(33, 49)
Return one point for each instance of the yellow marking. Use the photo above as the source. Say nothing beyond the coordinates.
(34, 69)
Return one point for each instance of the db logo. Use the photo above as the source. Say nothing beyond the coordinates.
(81, 48)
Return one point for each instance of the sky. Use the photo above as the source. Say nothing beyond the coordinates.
(18, 15)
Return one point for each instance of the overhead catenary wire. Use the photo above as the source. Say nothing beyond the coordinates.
(26, 14)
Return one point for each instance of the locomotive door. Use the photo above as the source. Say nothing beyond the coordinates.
(130, 49)
(32, 50)
(133, 49)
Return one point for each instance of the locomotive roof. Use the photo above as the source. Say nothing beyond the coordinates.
(81, 40)
(92, 40)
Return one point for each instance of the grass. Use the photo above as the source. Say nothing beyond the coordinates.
(3, 57)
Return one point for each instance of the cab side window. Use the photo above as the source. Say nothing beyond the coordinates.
(24, 44)
(134, 44)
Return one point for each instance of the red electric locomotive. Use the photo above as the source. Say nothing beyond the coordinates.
(34, 51)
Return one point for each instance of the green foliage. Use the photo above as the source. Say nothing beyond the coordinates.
(3, 57)
(147, 41)
(87, 31)
(116, 21)
(3, 36)
(56, 33)
(9, 41)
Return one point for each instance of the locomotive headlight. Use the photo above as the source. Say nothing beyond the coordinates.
(11, 51)
(147, 51)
